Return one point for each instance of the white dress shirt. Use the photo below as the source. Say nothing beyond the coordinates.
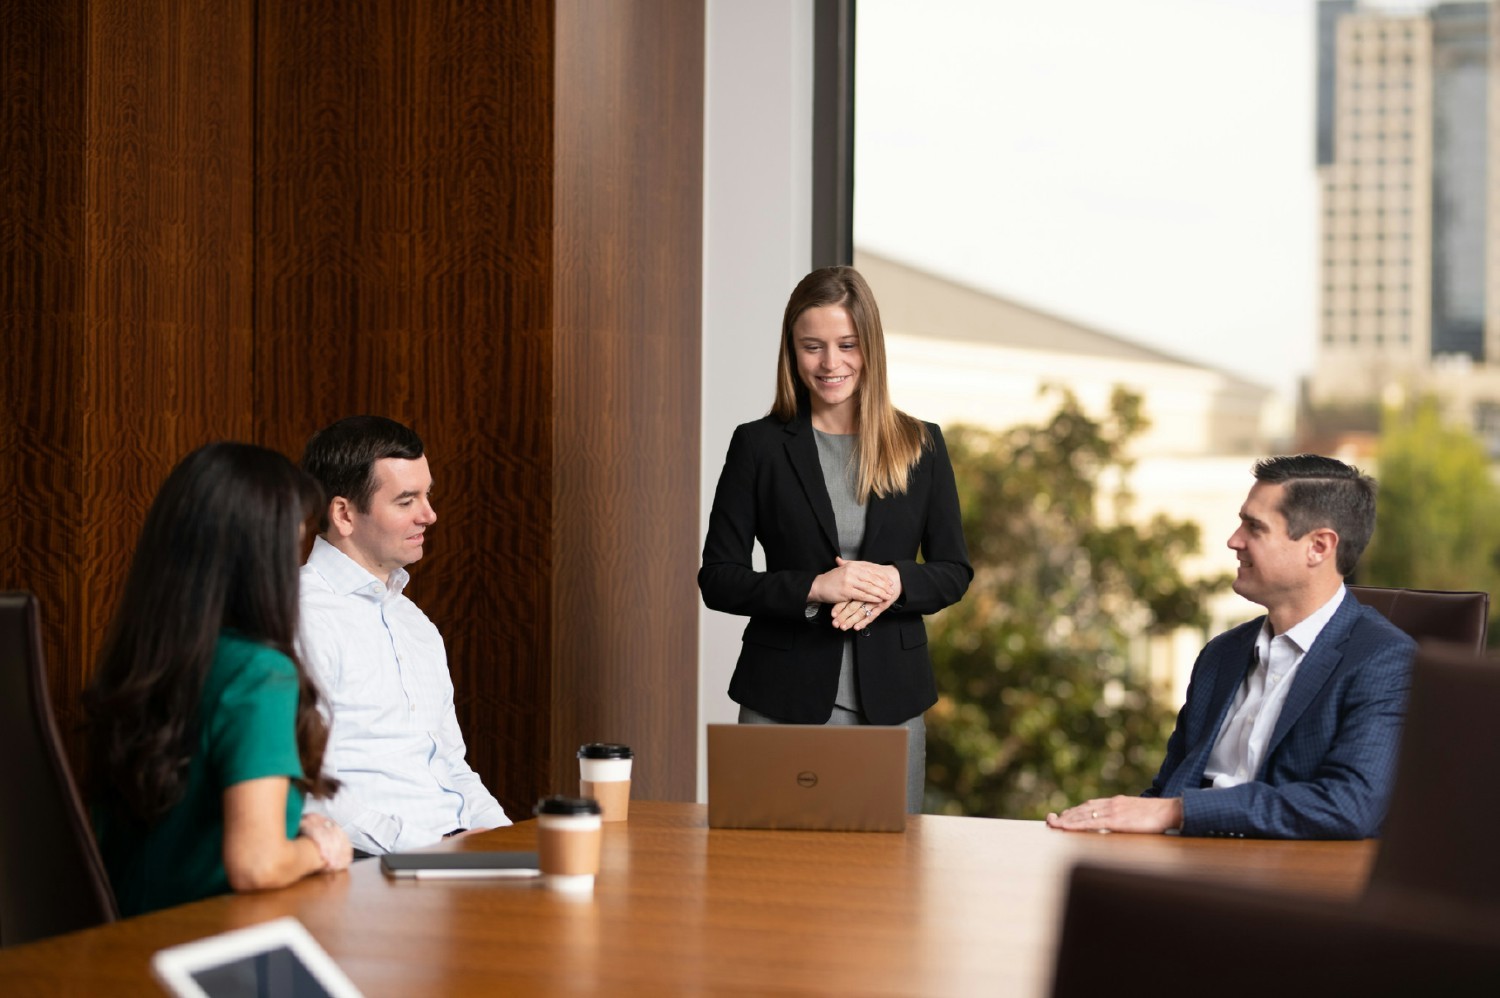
(1241, 747)
(394, 740)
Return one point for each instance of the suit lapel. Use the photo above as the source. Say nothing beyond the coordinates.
(1227, 681)
(877, 511)
(1314, 671)
(802, 451)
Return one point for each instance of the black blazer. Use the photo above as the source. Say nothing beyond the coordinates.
(771, 489)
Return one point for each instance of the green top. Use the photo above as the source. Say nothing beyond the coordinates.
(247, 730)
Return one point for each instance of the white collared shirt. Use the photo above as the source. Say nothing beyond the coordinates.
(1241, 747)
(394, 740)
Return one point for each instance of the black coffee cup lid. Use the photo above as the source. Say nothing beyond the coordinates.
(605, 750)
(568, 806)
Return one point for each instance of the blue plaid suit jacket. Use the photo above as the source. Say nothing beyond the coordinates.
(1329, 765)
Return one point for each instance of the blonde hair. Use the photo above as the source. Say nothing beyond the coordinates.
(890, 442)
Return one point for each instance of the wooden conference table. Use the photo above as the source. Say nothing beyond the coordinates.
(954, 906)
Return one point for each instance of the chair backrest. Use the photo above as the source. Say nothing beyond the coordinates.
(51, 877)
(1440, 834)
(1432, 614)
(1231, 941)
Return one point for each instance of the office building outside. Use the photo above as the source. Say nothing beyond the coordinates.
(1406, 154)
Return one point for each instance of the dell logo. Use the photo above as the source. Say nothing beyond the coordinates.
(807, 778)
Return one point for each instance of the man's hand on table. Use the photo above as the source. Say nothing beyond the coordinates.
(1120, 814)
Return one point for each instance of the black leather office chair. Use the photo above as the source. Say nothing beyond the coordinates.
(1121, 928)
(1440, 835)
(1432, 614)
(51, 877)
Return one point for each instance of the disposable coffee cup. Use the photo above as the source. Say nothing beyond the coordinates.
(604, 774)
(568, 834)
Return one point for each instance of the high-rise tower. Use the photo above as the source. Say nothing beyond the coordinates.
(1409, 282)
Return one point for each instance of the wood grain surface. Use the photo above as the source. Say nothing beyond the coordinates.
(629, 217)
(126, 292)
(248, 219)
(42, 100)
(404, 259)
(955, 906)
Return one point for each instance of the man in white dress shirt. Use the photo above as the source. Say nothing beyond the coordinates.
(394, 742)
(1292, 720)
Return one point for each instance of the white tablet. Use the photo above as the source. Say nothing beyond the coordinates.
(273, 958)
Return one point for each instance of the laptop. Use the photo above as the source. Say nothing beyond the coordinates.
(809, 776)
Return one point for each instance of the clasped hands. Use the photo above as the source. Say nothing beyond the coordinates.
(333, 845)
(859, 591)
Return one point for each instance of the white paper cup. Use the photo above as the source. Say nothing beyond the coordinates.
(604, 774)
(568, 837)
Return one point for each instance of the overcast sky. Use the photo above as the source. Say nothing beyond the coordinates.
(1143, 166)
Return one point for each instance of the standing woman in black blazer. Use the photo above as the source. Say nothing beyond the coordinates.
(843, 491)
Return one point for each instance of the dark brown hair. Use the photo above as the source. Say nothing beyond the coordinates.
(1324, 492)
(342, 457)
(218, 550)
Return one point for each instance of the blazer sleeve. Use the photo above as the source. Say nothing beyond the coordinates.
(728, 579)
(1345, 795)
(943, 576)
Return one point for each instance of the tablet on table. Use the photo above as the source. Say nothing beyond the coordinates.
(274, 958)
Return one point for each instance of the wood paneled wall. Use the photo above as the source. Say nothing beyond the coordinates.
(629, 224)
(403, 266)
(125, 238)
(41, 303)
(247, 219)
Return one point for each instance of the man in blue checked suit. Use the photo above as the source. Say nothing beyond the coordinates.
(1292, 720)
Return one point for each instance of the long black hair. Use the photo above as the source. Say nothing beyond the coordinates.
(219, 549)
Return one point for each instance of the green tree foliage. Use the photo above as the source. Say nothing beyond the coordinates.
(1438, 520)
(1037, 709)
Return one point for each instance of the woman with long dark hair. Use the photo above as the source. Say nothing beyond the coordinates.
(843, 491)
(204, 729)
